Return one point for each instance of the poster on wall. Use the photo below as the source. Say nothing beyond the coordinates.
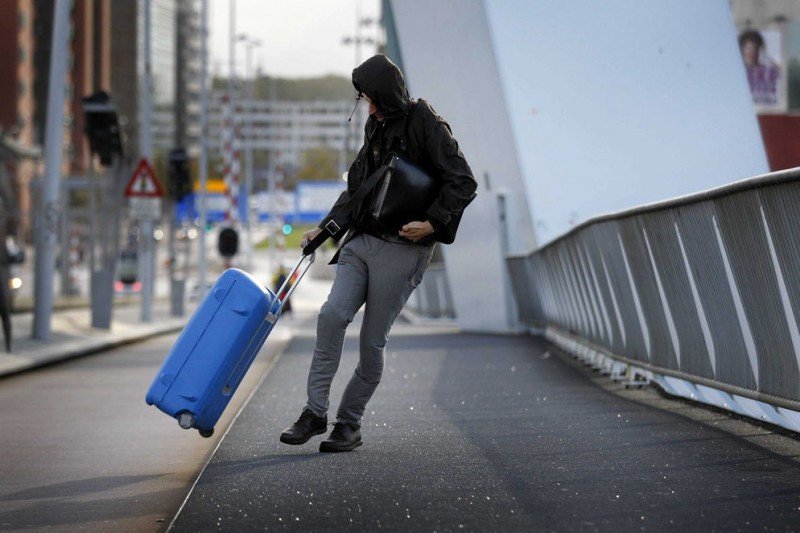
(763, 57)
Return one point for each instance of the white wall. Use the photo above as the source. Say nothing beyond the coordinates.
(575, 109)
(623, 102)
(448, 59)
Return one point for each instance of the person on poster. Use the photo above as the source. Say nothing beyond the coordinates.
(763, 74)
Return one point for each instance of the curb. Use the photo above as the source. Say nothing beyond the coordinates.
(271, 363)
(27, 364)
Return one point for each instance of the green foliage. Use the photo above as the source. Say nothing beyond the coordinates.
(318, 164)
(328, 88)
(294, 238)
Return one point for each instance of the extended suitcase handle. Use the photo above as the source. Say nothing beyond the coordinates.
(273, 315)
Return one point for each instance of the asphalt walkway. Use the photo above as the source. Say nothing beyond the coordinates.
(80, 450)
(488, 433)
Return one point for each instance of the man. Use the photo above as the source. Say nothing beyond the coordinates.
(377, 266)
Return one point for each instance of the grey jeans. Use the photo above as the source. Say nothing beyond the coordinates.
(382, 275)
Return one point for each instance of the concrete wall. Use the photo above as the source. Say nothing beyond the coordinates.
(575, 109)
(623, 102)
(448, 59)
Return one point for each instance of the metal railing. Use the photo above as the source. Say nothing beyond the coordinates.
(704, 288)
(432, 297)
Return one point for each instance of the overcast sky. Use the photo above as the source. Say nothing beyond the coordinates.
(299, 38)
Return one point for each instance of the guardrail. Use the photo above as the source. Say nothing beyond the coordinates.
(432, 298)
(699, 293)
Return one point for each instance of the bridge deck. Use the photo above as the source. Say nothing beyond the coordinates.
(489, 433)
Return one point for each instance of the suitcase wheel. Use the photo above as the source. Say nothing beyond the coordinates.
(186, 420)
(206, 433)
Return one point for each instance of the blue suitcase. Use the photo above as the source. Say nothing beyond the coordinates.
(216, 348)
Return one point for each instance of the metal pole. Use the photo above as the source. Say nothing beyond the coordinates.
(116, 202)
(272, 205)
(355, 124)
(92, 217)
(65, 248)
(172, 257)
(146, 264)
(234, 163)
(248, 177)
(46, 241)
(201, 267)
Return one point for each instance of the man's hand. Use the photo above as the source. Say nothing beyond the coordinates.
(416, 230)
(309, 236)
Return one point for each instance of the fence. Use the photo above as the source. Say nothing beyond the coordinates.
(700, 293)
(432, 297)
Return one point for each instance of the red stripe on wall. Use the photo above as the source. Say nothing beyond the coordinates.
(781, 134)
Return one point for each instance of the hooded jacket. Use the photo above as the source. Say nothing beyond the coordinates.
(413, 128)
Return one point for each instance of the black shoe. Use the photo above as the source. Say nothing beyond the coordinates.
(306, 427)
(345, 437)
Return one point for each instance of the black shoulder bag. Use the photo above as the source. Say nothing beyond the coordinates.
(405, 194)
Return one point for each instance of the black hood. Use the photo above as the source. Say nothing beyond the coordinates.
(382, 81)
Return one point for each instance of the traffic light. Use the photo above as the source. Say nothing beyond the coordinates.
(287, 229)
(102, 126)
(180, 179)
(228, 242)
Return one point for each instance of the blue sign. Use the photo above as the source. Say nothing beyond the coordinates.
(308, 204)
(217, 207)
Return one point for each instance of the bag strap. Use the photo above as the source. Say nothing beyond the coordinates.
(341, 220)
(406, 122)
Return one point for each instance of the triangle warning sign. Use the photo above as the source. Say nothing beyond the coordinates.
(143, 182)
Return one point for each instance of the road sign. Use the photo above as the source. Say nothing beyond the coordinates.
(143, 182)
(145, 208)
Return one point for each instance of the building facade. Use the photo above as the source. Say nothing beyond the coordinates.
(175, 49)
(17, 49)
(187, 76)
(89, 70)
(96, 61)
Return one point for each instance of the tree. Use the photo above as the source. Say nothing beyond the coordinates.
(328, 88)
(318, 164)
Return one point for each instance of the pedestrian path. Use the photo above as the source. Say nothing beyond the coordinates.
(73, 336)
(488, 433)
